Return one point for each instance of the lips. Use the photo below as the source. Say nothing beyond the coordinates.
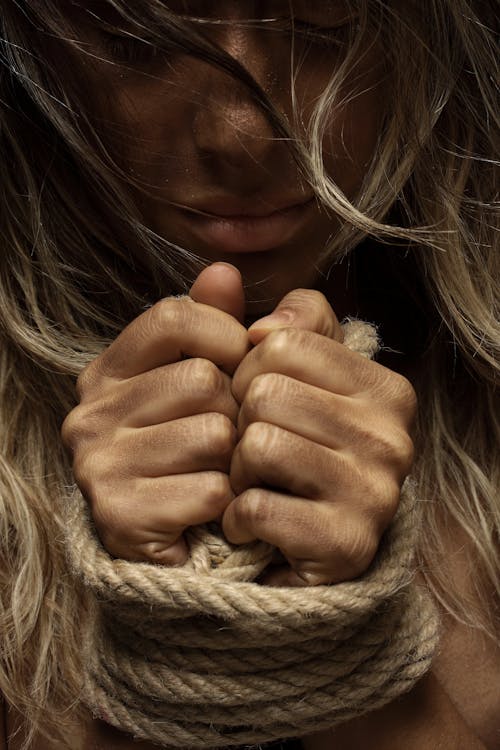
(234, 227)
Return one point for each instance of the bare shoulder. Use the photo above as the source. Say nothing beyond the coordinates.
(468, 662)
(463, 690)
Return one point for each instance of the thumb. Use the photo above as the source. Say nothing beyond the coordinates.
(306, 309)
(220, 286)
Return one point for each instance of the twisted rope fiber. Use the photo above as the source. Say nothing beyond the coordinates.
(202, 656)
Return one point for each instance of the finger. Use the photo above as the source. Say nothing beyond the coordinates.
(171, 330)
(285, 575)
(308, 411)
(324, 363)
(220, 286)
(158, 548)
(306, 309)
(181, 389)
(322, 543)
(269, 455)
(204, 442)
(307, 357)
(355, 426)
(152, 513)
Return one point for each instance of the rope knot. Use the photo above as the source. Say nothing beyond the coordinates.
(211, 554)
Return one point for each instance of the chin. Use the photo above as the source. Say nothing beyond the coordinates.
(265, 287)
(269, 275)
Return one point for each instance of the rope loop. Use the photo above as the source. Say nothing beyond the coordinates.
(203, 656)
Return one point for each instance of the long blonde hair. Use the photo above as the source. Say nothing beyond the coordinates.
(68, 286)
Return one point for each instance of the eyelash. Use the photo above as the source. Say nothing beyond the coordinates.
(129, 50)
(322, 36)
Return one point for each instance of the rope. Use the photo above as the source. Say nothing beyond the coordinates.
(201, 656)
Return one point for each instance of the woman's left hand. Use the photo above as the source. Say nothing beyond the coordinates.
(324, 445)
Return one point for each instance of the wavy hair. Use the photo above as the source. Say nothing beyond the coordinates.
(77, 264)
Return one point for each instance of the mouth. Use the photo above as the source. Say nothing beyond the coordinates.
(232, 228)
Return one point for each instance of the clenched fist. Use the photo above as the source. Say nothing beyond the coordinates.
(323, 447)
(154, 433)
(280, 432)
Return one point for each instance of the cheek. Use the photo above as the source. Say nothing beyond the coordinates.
(148, 123)
(353, 127)
(351, 138)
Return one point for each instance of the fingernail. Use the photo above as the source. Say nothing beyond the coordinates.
(276, 319)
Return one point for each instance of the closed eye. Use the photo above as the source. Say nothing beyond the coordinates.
(126, 48)
(321, 35)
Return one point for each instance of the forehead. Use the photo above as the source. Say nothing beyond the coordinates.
(208, 8)
(89, 15)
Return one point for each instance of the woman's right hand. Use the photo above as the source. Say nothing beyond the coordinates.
(155, 429)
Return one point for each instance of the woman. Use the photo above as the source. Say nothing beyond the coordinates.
(338, 159)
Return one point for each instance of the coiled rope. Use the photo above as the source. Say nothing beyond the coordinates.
(202, 656)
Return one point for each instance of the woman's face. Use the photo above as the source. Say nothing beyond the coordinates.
(216, 179)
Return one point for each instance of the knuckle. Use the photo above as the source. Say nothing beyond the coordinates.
(374, 442)
(385, 445)
(82, 472)
(262, 390)
(92, 471)
(391, 447)
(309, 300)
(86, 379)
(205, 379)
(383, 502)
(69, 429)
(78, 427)
(166, 313)
(110, 518)
(404, 453)
(218, 492)
(218, 433)
(277, 343)
(315, 312)
(252, 508)
(399, 391)
(317, 301)
(315, 297)
(259, 443)
(394, 449)
(117, 515)
(404, 394)
(356, 549)
(88, 423)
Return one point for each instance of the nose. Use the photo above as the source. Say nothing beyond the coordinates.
(230, 128)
